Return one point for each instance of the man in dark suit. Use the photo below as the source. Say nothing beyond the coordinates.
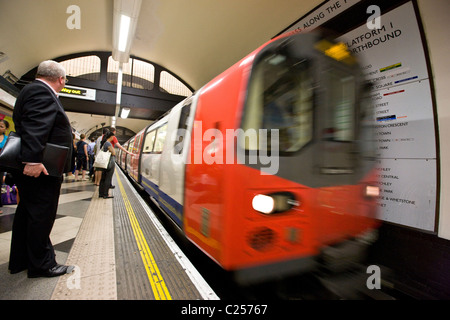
(39, 119)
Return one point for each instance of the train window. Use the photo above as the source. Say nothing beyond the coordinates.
(149, 141)
(280, 98)
(160, 138)
(182, 127)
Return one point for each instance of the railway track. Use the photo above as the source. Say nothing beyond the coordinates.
(318, 285)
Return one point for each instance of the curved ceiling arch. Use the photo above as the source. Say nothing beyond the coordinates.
(146, 104)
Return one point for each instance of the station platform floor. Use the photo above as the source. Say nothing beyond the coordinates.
(119, 249)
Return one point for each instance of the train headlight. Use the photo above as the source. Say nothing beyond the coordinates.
(372, 191)
(264, 204)
(274, 202)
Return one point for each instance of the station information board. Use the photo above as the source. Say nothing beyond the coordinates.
(393, 60)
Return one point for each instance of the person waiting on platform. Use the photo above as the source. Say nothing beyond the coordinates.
(82, 157)
(91, 154)
(105, 181)
(97, 172)
(39, 118)
(115, 143)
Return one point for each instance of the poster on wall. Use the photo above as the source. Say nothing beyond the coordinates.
(408, 192)
(10, 122)
(404, 120)
(394, 62)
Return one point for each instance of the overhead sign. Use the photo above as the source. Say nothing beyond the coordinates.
(78, 93)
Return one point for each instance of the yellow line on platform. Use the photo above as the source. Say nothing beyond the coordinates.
(154, 276)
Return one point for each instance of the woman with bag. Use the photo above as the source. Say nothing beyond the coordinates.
(105, 182)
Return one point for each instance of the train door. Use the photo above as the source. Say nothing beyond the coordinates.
(128, 158)
(146, 173)
(172, 168)
(134, 159)
(123, 156)
(151, 158)
(160, 137)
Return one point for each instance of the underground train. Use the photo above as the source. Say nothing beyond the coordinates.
(271, 162)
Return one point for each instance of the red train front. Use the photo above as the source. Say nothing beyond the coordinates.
(280, 159)
(301, 176)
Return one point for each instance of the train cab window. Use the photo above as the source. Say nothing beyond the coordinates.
(160, 138)
(149, 141)
(280, 98)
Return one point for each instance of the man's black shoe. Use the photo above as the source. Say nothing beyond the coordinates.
(56, 271)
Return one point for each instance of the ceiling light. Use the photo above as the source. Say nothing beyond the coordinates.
(124, 31)
(125, 112)
(125, 18)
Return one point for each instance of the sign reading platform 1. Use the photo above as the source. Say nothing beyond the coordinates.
(393, 61)
(78, 93)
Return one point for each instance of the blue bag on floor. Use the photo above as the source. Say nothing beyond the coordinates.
(9, 194)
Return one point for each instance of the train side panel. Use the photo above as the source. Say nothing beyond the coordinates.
(123, 157)
(174, 158)
(157, 165)
(151, 157)
(128, 158)
(162, 161)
